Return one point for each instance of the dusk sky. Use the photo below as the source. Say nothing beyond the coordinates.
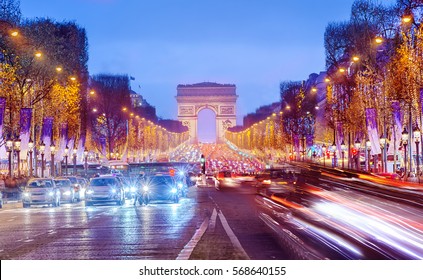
(162, 43)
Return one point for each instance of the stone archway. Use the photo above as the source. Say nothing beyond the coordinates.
(220, 98)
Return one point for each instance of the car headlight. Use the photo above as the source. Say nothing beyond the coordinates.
(51, 193)
(90, 191)
(173, 190)
(145, 188)
(113, 190)
(126, 189)
(67, 193)
(27, 194)
(133, 189)
(180, 185)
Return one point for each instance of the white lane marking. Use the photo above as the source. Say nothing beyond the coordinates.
(189, 247)
(212, 223)
(232, 235)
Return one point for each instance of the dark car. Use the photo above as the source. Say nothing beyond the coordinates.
(40, 191)
(67, 191)
(158, 187)
(275, 178)
(76, 184)
(104, 190)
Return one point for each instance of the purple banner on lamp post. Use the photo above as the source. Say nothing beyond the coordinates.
(397, 129)
(3, 154)
(372, 130)
(63, 140)
(46, 134)
(25, 125)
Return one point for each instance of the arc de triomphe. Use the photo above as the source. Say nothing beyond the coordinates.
(220, 98)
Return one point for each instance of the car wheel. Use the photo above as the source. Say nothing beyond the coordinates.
(146, 201)
(26, 205)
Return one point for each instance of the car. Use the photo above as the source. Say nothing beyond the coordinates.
(79, 192)
(105, 189)
(41, 191)
(275, 178)
(158, 187)
(67, 191)
(224, 179)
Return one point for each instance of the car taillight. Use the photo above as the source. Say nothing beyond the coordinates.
(267, 182)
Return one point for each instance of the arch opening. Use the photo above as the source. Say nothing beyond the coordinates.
(206, 126)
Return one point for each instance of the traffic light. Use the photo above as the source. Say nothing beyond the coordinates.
(172, 172)
(203, 164)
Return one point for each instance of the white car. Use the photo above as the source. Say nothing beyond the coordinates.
(105, 189)
(39, 192)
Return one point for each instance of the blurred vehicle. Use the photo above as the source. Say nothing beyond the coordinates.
(158, 187)
(67, 192)
(393, 176)
(41, 191)
(105, 189)
(79, 192)
(275, 178)
(224, 179)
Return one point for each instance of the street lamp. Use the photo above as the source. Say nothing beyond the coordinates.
(404, 137)
(334, 154)
(343, 148)
(42, 149)
(74, 161)
(17, 148)
(30, 151)
(357, 146)
(53, 151)
(9, 147)
(324, 155)
(416, 134)
(66, 160)
(382, 142)
(369, 148)
(86, 161)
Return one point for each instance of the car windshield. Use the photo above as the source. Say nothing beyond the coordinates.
(63, 183)
(162, 180)
(73, 180)
(103, 182)
(39, 184)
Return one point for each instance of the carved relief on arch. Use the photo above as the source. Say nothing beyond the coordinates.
(226, 124)
(198, 108)
(187, 124)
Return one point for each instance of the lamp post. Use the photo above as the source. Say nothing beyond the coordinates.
(9, 147)
(66, 160)
(86, 161)
(17, 148)
(30, 151)
(404, 137)
(324, 155)
(416, 134)
(369, 148)
(343, 148)
(74, 161)
(334, 154)
(382, 142)
(53, 151)
(42, 149)
(357, 146)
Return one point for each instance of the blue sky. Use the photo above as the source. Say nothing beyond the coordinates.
(253, 44)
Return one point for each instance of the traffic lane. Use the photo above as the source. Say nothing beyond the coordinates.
(236, 204)
(346, 219)
(155, 231)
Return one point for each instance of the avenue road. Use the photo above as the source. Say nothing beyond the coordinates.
(208, 224)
